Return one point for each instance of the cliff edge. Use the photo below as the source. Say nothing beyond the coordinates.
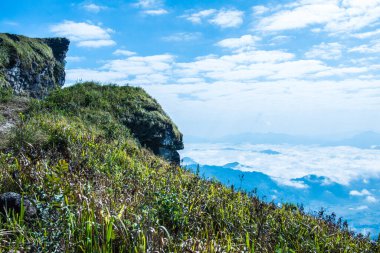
(131, 107)
(31, 66)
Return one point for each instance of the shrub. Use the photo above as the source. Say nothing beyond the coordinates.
(6, 94)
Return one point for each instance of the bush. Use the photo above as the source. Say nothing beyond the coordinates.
(6, 94)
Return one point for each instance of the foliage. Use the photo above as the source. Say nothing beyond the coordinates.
(98, 191)
(32, 56)
(6, 94)
(26, 49)
(129, 106)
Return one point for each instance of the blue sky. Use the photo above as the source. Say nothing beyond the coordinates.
(304, 67)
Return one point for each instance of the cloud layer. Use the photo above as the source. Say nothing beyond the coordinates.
(84, 34)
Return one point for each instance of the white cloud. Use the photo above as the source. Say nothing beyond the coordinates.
(224, 18)
(182, 36)
(146, 4)
(123, 52)
(140, 65)
(191, 80)
(228, 18)
(372, 47)
(359, 208)
(341, 71)
(244, 42)
(280, 39)
(363, 192)
(151, 7)
(96, 43)
(10, 23)
(300, 16)
(197, 17)
(326, 51)
(75, 75)
(291, 183)
(371, 199)
(156, 12)
(293, 161)
(85, 34)
(259, 9)
(93, 7)
(75, 58)
(330, 15)
(366, 34)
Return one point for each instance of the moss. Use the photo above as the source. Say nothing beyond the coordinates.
(27, 50)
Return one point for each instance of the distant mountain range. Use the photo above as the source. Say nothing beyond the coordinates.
(365, 140)
(352, 201)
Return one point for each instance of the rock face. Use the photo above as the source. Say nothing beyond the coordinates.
(162, 137)
(130, 106)
(11, 201)
(30, 66)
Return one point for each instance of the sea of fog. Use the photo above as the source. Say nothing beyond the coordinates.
(344, 180)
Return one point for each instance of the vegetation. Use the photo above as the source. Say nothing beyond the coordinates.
(20, 47)
(6, 94)
(97, 190)
(35, 60)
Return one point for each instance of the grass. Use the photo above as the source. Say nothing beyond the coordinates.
(6, 94)
(98, 190)
(20, 47)
(30, 56)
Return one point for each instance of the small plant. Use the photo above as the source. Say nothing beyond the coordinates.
(6, 94)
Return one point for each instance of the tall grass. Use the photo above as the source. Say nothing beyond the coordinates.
(102, 192)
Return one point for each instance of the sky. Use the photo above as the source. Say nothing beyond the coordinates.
(304, 67)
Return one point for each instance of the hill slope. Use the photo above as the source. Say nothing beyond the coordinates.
(77, 157)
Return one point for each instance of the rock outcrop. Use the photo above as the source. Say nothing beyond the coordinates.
(162, 137)
(31, 66)
(131, 106)
(11, 202)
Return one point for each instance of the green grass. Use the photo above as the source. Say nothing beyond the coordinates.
(32, 55)
(29, 50)
(97, 190)
(6, 94)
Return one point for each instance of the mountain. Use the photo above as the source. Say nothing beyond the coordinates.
(31, 66)
(94, 168)
(352, 202)
(256, 138)
(366, 140)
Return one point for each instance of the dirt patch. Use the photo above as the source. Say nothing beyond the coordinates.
(9, 115)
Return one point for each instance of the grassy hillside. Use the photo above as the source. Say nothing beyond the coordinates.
(97, 190)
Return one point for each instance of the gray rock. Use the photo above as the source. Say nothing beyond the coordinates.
(32, 67)
(11, 201)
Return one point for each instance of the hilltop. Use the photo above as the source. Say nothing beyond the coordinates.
(95, 168)
(97, 189)
(32, 66)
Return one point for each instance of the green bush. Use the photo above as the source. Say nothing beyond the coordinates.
(6, 94)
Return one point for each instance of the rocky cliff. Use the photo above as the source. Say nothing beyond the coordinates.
(110, 106)
(30, 66)
(35, 67)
